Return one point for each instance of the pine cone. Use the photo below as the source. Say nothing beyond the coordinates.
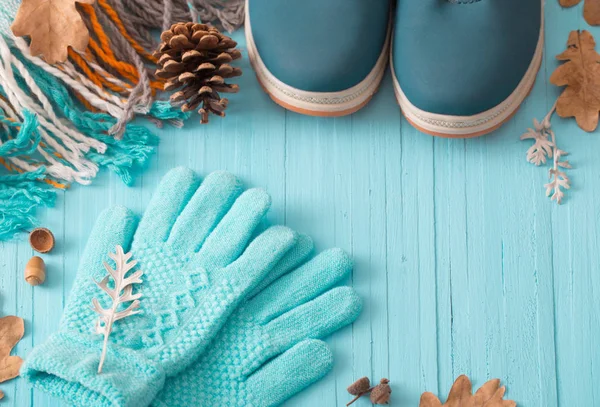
(195, 59)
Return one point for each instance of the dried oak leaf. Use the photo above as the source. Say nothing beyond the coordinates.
(488, 395)
(591, 9)
(53, 26)
(581, 76)
(11, 332)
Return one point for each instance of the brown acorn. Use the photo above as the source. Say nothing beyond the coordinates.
(360, 386)
(35, 271)
(381, 393)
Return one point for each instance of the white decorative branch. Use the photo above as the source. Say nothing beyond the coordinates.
(122, 292)
(557, 177)
(542, 134)
(545, 147)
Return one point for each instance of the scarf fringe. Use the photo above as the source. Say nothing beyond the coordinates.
(20, 196)
(59, 124)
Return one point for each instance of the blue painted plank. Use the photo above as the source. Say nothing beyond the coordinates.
(463, 263)
(312, 209)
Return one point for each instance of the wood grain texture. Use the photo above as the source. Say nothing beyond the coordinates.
(464, 265)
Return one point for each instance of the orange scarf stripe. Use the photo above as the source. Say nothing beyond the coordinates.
(157, 85)
(97, 79)
(125, 69)
(87, 104)
(105, 76)
(98, 30)
(7, 165)
(102, 47)
(80, 62)
(12, 168)
(106, 54)
(56, 184)
(112, 14)
(102, 50)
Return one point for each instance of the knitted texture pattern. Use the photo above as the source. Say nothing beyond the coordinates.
(82, 111)
(268, 351)
(7, 13)
(193, 247)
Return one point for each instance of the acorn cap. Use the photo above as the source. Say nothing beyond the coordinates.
(41, 240)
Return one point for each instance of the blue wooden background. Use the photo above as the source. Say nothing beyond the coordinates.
(464, 265)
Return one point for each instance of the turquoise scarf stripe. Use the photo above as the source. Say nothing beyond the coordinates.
(20, 196)
(137, 144)
(27, 137)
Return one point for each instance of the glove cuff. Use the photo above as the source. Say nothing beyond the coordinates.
(66, 366)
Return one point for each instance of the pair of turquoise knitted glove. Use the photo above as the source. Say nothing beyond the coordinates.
(224, 320)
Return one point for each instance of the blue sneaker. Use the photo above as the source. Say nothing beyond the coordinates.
(321, 58)
(461, 68)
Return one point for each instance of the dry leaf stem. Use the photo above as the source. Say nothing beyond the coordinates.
(108, 330)
(122, 284)
(360, 395)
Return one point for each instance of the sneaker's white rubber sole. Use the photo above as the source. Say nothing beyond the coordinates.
(479, 124)
(317, 103)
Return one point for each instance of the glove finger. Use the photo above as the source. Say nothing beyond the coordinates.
(290, 373)
(315, 319)
(294, 258)
(229, 287)
(261, 256)
(231, 236)
(115, 226)
(204, 211)
(173, 193)
(307, 282)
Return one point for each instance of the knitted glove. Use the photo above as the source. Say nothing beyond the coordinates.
(266, 352)
(192, 245)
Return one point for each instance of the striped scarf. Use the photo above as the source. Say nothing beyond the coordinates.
(60, 123)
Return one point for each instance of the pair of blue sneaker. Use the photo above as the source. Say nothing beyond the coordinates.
(460, 68)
